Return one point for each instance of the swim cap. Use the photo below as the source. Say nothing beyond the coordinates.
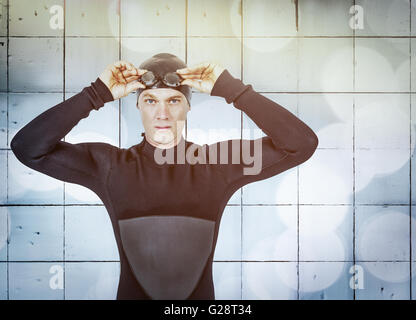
(160, 64)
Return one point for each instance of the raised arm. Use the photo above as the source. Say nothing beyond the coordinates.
(288, 141)
(38, 146)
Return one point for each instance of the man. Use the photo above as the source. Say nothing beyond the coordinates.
(165, 214)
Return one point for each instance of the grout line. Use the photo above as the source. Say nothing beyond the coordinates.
(410, 154)
(353, 158)
(64, 184)
(119, 57)
(297, 167)
(186, 56)
(7, 153)
(241, 137)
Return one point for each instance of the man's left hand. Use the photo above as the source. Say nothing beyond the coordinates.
(201, 76)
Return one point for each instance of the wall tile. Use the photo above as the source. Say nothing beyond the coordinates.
(269, 281)
(82, 17)
(153, 18)
(227, 280)
(382, 64)
(384, 18)
(3, 177)
(382, 182)
(91, 280)
(223, 51)
(413, 232)
(271, 74)
(382, 233)
(35, 18)
(84, 60)
(382, 121)
(214, 18)
(326, 64)
(334, 17)
(36, 233)
(27, 186)
(326, 233)
(278, 18)
(89, 234)
(137, 50)
(4, 232)
(3, 281)
(3, 120)
(3, 18)
(229, 235)
(325, 281)
(269, 233)
(3, 64)
(43, 63)
(333, 169)
(330, 116)
(385, 281)
(31, 281)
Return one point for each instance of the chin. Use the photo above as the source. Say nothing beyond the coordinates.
(163, 136)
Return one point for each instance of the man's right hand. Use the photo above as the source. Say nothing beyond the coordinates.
(121, 78)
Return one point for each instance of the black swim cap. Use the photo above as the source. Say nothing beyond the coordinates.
(160, 64)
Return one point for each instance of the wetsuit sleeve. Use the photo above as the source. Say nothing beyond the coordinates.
(288, 141)
(38, 146)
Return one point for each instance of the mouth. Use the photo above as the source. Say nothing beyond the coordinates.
(162, 127)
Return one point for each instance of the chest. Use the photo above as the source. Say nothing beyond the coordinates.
(138, 188)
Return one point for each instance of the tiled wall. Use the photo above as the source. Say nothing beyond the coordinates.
(298, 235)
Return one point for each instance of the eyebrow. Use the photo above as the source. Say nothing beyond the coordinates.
(152, 96)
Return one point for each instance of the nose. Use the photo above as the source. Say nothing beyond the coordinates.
(163, 111)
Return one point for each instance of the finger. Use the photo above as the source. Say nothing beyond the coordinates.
(141, 71)
(128, 73)
(192, 83)
(194, 69)
(134, 85)
(131, 78)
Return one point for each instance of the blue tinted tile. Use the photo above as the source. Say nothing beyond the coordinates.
(333, 168)
(3, 176)
(91, 280)
(269, 233)
(382, 182)
(382, 233)
(3, 120)
(89, 234)
(326, 233)
(84, 60)
(227, 280)
(4, 231)
(330, 116)
(36, 281)
(43, 63)
(36, 233)
(269, 281)
(3, 281)
(3, 17)
(229, 235)
(385, 281)
(325, 281)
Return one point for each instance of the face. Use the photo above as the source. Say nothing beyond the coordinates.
(163, 112)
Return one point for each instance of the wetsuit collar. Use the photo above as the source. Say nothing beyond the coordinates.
(149, 150)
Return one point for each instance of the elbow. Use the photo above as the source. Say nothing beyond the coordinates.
(309, 148)
(19, 150)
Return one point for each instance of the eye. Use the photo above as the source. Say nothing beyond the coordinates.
(149, 100)
(174, 100)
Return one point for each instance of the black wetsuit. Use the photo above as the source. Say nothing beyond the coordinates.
(165, 217)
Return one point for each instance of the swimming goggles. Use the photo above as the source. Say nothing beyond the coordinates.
(171, 79)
